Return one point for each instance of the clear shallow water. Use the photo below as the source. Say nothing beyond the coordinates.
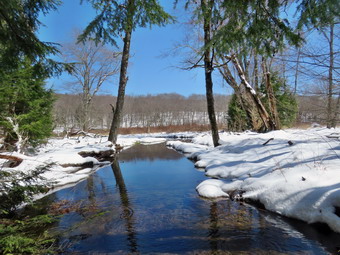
(146, 203)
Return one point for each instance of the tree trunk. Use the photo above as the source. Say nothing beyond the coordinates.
(117, 115)
(297, 71)
(86, 115)
(336, 112)
(330, 78)
(208, 59)
(256, 72)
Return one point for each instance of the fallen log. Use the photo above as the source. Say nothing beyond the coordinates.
(81, 165)
(13, 161)
(101, 155)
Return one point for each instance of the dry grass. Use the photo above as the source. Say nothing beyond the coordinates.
(304, 125)
(176, 128)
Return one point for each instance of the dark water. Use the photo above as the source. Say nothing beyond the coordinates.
(146, 203)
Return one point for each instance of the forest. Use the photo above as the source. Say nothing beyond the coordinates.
(165, 110)
(139, 112)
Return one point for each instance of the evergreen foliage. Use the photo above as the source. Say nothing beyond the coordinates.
(18, 188)
(25, 102)
(20, 237)
(318, 13)
(256, 25)
(18, 24)
(286, 102)
(237, 116)
(241, 26)
(115, 18)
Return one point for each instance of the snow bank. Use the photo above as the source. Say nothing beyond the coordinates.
(296, 174)
(211, 189)
(63, 161)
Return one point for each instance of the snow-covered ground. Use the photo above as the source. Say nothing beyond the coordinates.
(296, 174)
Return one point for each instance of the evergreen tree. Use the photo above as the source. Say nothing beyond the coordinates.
(122, 17)
(286, 102)
(237, 116)
(18, 24)
(25, 106)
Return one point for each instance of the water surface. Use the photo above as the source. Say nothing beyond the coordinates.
(146, 203)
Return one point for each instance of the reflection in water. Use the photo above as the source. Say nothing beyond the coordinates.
(149, 152)
(213, 229)
(90, 189)
(127, 211)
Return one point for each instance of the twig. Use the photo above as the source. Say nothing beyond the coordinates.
(268, 141)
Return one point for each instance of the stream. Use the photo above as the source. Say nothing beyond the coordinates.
(146, 203)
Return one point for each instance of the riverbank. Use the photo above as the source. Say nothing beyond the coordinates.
(295, 173)
(70, 160)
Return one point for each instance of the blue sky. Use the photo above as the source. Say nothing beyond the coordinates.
(149, 73)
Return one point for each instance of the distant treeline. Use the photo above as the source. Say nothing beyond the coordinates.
(162, 110)
(139, 111)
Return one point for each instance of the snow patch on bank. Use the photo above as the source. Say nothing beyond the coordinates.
(211, 189)
(296, 173)
(64, 165)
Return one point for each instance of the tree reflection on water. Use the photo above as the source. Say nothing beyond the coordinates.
(149, 152)
(126, 206)
(213, 229)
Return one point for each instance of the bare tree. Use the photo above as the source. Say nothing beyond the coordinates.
(93, 64)
(318, 64)
(330, 115)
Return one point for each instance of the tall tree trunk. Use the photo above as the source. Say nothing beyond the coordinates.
(117, 113)
(336, 111)
(297, 71)
(256, 72)
(206, 6)
(330, 78)
(85, 114)
(86, 117)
